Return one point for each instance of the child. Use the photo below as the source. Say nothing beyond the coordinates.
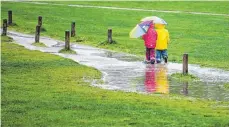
(150, 43)
(162, 43)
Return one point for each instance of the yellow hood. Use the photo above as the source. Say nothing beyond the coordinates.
(159, 26)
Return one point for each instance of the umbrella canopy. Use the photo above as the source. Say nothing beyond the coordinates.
(140, 29)
(155, 20)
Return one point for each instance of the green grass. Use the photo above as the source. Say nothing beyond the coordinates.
(187, 77)
(67, 51)
(6, 39)
(226, 86)
(203, 37)
(48, 90)
(186, 6)
(39, 44)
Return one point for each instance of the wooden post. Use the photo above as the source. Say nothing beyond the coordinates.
(67, 40)
(10, 17)
(185, 64)
(109, 36)
(37, 33)
(4, 27)
(40, 20)
(73, 29)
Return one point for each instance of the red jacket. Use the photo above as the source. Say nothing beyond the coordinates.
(150, 37)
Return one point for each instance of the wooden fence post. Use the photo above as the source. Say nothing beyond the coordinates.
(4, 27)
(67, 40)
(73, 29)
(109, 36)
(10, 17)
(39, 20)
(185, 64)
(37, 33)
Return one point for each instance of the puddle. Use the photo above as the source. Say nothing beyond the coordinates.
(207, 90)
(128, 72)
(157, 80)
(119, 56)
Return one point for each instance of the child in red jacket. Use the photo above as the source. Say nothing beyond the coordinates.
(150, 39)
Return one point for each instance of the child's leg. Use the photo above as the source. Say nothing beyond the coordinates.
(158, 56)
(152, 55)
(165, 55)
(147, 54)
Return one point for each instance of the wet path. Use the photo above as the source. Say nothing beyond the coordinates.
(128, 72)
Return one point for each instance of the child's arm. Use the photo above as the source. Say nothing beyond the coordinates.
(143, 37)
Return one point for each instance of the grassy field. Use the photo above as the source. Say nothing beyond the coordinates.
(217, 7)
(48, 90)
(204, 37)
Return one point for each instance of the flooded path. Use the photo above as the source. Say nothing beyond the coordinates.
(128, 73)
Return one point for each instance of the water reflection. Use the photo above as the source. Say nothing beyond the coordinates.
(156, 79)
(184, 91)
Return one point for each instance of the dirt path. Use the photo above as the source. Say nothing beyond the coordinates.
(128, 72)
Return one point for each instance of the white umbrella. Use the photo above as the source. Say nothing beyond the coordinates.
(140, 29)
(136, 32)
(155, 20)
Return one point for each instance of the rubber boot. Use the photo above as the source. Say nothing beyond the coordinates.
(152, 61)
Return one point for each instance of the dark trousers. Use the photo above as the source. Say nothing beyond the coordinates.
(150, 54)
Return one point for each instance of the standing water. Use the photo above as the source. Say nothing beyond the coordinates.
(128, 73)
